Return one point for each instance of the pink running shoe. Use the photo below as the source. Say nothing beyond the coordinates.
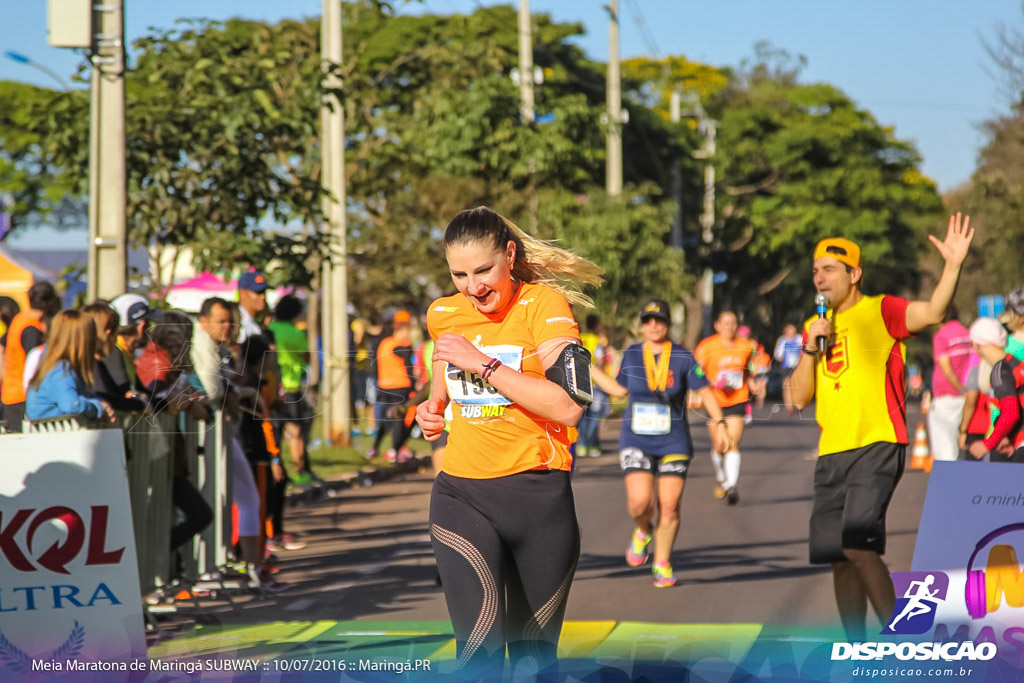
(636, 553)
(663, 576)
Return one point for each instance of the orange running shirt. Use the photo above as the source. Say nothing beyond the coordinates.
(489, 435)
(727, 368)
(392, 368)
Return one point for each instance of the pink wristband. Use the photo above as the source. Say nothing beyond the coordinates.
(490, 367)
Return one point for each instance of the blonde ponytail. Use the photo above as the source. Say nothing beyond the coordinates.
(537, 261)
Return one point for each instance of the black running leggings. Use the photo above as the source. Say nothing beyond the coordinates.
(506, 551)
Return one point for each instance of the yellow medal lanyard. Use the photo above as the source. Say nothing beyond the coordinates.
(657, 374)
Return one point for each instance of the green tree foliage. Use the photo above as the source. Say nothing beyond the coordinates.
(994, 197)
(223, 140)
(219, 121)
(800, 162)
(31, 188)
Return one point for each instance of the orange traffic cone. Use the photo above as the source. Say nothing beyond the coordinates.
(920, 454)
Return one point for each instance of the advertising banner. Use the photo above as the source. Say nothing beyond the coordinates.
(967, 561)
(69, 587)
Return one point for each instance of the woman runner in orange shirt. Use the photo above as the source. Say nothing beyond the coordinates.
(507, 354)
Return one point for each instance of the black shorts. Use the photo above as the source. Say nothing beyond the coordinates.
(740, 409)
(852, 491)
(635, 460)
(293, 408)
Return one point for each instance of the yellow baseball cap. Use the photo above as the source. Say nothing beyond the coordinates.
(842, 250)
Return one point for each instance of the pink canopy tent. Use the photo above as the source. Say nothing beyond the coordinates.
(189, 295)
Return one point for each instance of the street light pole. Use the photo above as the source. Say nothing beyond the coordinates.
(28, 61)
(108, 270)
(613, 143)
(335, 391)
(527, 111)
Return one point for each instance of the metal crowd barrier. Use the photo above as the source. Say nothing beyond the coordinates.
(149, 444)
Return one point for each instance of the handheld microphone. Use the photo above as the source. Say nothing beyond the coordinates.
(821, 301)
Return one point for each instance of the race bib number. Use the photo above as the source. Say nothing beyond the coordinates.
(731, 379)
(651, 419)
(470, 389)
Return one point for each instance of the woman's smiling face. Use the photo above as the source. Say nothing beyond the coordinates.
(482, 273)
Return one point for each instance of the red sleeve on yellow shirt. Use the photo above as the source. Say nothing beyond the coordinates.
(894, 314)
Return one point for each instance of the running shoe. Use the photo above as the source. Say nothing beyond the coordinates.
(391, 456)
(302, 479)
(663, 576)
(405, 454)
(372, 453)
(732, 496)
(719, 491)
(636, 553)
(289, 542)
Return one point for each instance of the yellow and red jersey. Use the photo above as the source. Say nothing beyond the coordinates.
(860, 383)
(491, 436)
(727, 366)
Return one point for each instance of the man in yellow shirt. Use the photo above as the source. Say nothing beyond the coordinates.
(853, 363)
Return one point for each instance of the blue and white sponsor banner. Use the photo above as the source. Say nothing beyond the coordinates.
(69, 586)
(971, 543)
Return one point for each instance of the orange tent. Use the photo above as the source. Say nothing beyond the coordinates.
(16, 278)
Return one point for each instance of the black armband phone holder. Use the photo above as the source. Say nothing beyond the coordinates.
(572, 372)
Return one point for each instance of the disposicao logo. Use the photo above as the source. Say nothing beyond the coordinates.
(921, 594)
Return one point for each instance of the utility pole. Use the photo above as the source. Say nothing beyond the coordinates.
(613, 146)
(335, 392)
(107, 257)
(678, 327)
(527, 111)
(677, 178)
(707, 217)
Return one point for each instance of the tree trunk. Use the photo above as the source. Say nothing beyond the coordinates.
(694, 319)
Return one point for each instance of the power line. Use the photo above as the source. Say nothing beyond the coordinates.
(645, 32)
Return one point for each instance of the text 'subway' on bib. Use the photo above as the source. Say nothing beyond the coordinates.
(470, 389)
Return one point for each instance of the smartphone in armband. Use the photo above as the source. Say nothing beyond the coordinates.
(572, 372)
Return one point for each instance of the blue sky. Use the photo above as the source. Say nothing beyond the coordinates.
(918, 65)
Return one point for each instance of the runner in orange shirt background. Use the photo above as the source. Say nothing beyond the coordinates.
(729, 363)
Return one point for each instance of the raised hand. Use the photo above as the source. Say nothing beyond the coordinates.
(958, 240)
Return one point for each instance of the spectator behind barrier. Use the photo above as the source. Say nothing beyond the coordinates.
(59, 388)
(116, 392)
(118, 373)
(27, 331)
(162, 368)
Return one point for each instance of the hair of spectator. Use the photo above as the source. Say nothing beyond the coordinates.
(173, 333)
(288, 308)
(209, 304)
(43, 297)
(106, 320)
(8, 309)
(71, 338)
(537, 261)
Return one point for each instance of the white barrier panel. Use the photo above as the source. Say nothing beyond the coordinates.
(972, 529)
(69, 585)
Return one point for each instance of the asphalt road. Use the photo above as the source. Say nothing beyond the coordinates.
(369, 558)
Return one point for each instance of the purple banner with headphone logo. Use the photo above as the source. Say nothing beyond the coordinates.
(972, 536)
